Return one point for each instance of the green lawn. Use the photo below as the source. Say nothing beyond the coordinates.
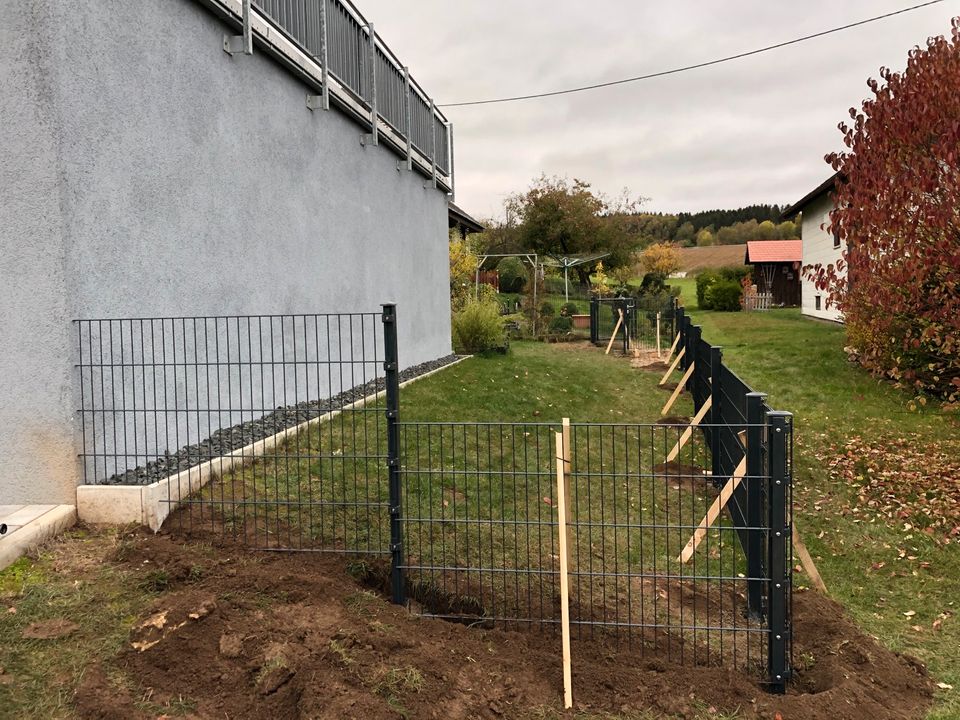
(898, 582)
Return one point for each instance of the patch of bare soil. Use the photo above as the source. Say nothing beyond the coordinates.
(253, 635)
(683, 420)
(49, 629)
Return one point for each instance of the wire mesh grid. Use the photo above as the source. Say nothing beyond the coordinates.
(265, 428)
(481, 537)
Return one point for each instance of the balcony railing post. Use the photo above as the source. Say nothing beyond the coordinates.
(373, 137)
(408, 113)
(391, 368)
(780, 429)
(433, 145)
(324, 52)
(755, 476)
(236, 44)
(453, 183)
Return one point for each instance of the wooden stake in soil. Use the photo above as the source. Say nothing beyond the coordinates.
(658, 336)
(616, 329)
(678, 390)
(808, 567)
(673, 366)
(688, 432)
(673, 348)
(717, 507)
(564, 569)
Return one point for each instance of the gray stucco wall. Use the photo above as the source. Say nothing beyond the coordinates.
(146, 172)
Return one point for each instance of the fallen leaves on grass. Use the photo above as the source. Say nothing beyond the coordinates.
(905, 479)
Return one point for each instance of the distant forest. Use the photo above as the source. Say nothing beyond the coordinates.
(710, 227)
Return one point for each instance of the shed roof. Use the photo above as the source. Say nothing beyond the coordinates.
(460, 218)
(773, 251)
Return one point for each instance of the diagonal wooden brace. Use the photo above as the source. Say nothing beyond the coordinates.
(698, 418)
(679, 389)
(673, 367)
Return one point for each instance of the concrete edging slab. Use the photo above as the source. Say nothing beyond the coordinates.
(150, 505)
(27, 537)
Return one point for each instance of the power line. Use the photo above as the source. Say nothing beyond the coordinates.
(697, 66)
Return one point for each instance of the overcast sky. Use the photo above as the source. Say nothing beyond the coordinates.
(749, 131)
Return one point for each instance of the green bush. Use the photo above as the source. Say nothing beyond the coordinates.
(513, 275)
(478, 327)
(569, 309)
(704, 280)
(736, 273)
(724, 295)
(561, 325)
(547, 309)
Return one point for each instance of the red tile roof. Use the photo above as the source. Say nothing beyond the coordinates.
(772, 251)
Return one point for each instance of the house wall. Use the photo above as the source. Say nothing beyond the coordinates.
(148, 173)
(818, 248)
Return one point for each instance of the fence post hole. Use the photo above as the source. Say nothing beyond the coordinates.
(755, 475)
(391, 368)
(561, 462)
(780, 429)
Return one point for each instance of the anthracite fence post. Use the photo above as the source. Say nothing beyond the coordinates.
(693, 351)
(716, 409)
(683, 340)
(755, 476)
(780, 429)
(594, 320)
(391, 367)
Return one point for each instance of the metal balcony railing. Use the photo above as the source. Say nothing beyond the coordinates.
(345, 47)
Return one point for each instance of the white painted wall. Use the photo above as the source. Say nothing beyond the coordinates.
(818, 248)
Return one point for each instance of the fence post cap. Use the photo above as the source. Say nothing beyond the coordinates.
(760, 395)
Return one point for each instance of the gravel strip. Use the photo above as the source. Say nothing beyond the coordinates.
(227, 440)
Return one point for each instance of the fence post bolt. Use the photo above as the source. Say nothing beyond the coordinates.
(754, 478)
(391, 368)
(780, 425)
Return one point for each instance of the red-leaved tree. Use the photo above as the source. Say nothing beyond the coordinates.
(898, 209)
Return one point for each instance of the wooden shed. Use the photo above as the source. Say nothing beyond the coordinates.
(776, 269)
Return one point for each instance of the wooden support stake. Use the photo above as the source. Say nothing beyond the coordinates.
(673, 348)
(658, 336)
(717, 507)
(698, 418)
(714, 512)
(672, 367)
(616, 329)
(807, 562)
(564, 569)
(679, 389)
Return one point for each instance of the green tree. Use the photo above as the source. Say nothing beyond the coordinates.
(705, 238)
(559, 217)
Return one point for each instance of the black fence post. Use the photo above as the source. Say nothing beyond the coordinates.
(716, 410)
(780, 429)
(680, 330)
(755, 476)
(693, 351)
(594, 320)
(391, 368)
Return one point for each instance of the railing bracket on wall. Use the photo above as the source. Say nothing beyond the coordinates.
(317, 102)
(241, 44)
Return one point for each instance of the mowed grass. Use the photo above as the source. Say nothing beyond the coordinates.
(895, 581)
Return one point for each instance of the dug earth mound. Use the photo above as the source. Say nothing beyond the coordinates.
(240, 634)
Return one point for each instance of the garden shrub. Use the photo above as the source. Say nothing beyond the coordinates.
(724, 295)
(704, 280)
(561, 325)
(478, 327)
(547, 309)
(513, 275)
(569, 309)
